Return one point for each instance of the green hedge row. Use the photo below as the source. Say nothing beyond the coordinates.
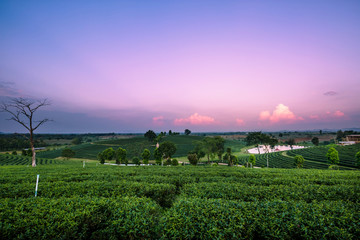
(189, 218)
(248, 193)
(163, 194)
(79, 218)
(195, 218)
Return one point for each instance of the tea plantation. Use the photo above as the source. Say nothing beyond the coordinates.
(183, 202)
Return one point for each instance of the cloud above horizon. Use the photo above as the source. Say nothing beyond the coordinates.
(194, 119)
(330, 93)
(240, 122)
(329, 115)
(7, 89)
(281, 113)
(158, 121)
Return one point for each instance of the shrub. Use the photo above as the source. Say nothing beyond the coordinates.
(334, 167)
(193, 159)
(67, 153)
(299, 161)
(174, 162)
(167, 162)
(136, 161)
(333, 156)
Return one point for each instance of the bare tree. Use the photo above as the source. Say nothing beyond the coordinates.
(22, 111)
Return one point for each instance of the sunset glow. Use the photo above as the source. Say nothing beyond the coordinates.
(129, 66)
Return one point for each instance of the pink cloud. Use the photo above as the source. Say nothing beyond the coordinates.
(339, 114)
(158, 120)
(195, 119)
(240, 122)
(316, 117)
(329, 115)
(281, 113)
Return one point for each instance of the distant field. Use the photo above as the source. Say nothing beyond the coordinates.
(134, 147)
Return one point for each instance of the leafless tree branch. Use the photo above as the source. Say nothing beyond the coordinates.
(20, 108)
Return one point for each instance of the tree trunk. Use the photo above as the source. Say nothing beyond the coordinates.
(33, 159)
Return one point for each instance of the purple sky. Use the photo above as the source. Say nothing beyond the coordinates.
(130, 66)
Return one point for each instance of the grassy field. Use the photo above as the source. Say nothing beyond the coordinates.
(183, 202)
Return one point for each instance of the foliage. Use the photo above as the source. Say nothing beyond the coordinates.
(334, 167)
(299, 161)
(193, 159)
(68, 153)
(315, 141)
(151, 135)
(77, 141)
(120, 155)
(174, 162)
(333, 156)
(146, 156)
(231, 159)
(101, 157)
(187, 132)
(167, 149)
(357, 157)
(168, 162)
(152, 202)
(136, 161)
(211, 146)
(158, 156)
(109, 153)
(252, 160)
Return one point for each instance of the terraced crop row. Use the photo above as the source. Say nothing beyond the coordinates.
(318, 154)
(182, 202)
(7, 159)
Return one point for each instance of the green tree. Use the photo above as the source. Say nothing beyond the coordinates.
(213, 146)
(193, 159)
(167, 149)
(77, 141)
(101, 157)
(14, 153)
(146, 156)
(67, 153)
(299, 161)
(315, 141)
(199, 149)
(229, 157)
(109, 153)
(174, 162)
(219, 146)
(158, 156)
(340, 135)
(136, 161)
(357, 157)
(120, 155)
(252, 160)
(333, 156)
(187, 132)
(151, 135)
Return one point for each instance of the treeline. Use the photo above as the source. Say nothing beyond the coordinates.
(15, 142)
